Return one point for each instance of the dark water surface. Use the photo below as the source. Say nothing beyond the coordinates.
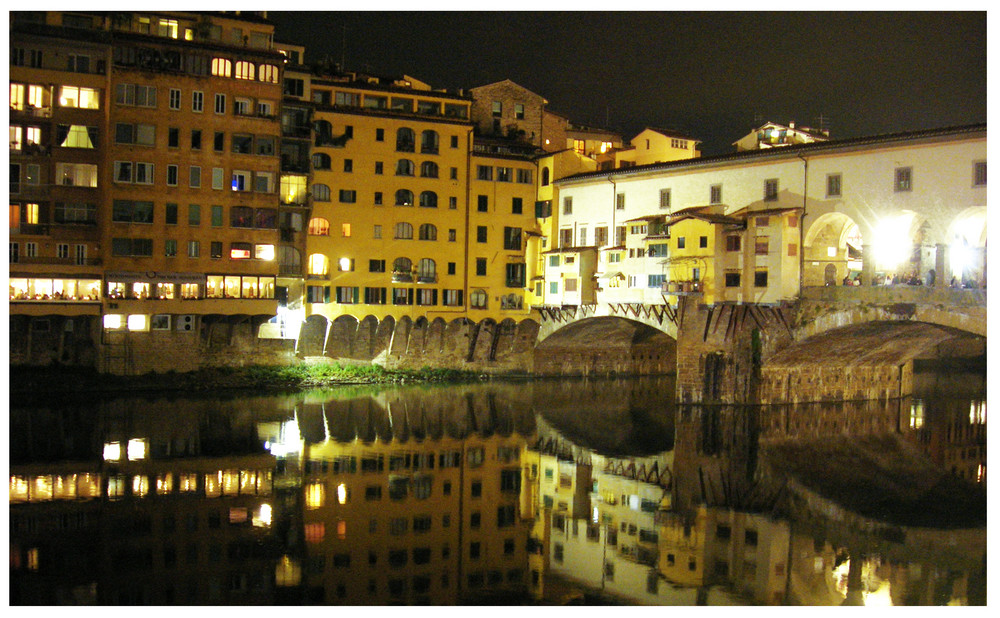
(532, 492)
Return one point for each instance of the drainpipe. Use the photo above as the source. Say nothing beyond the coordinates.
(802, 221)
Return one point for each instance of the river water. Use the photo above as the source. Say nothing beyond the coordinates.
(535, 492)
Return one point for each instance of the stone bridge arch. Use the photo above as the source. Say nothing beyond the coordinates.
(604, 346)
(663, 318)
(822, 309)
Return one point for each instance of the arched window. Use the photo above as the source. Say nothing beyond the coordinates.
(404, 167)
(321, 193)
(429, 142)
(405, 140)
(477, 299)
(428, 199)
(245, 70)
(404, 231)
(426, 271)
(545, 176)
(402, 266)
(429, 169)
(268, 73)
(222, 67)
(404, 197)
(321, 161)
(319, 264)
(324, 132)
(427, 232)
(318, 226)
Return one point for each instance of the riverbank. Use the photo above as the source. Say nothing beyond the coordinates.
(57, 380)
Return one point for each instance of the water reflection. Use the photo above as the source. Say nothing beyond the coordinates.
(551, 492)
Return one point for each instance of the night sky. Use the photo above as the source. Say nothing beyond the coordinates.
(712, 75)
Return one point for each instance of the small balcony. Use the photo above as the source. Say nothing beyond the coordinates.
(402, 277)
(681, 288)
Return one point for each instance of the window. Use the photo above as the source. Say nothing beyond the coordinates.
(222, 67)
(140, 134)
(348, 196)
(429, 169)
(220, 103)
(405, 138)
(404, 231)
(567, 205)
(620, 201)
(194, 248)
(681, 242)
(320, 193)
(664, 199)
(481, 233)
(979, 174)
(761, 245)
(194, 214)
(771, 190)
(241, 181)
(197, 101)
(715, 194)
(427, 232)
(67, 136)
(483, 203)
(760, 279)
(833, 185)
(512, 238)
(172, 175)
(404, 197)
(174, 100)
(904, 179)
(525, 176)
(428, 199)
(217, 178)
(517, 206)
(173, 137)
(732, 243)
(135, 95)
(703, 242)
(245, 70)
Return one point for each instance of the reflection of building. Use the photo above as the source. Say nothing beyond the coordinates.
(192, 530)
(437, 521)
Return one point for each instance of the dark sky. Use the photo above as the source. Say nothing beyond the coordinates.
(712, 75)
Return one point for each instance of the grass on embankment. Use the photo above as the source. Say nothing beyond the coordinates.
(39, 381)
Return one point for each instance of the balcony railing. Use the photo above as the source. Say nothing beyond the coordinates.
(402, 277)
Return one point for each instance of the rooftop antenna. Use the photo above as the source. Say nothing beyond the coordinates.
(822, 122)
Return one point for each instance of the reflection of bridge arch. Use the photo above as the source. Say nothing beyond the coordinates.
(606, 345)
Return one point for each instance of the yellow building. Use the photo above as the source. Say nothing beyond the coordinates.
(387, 231)
(154, 205)
(653, 145)
(504, 236)
(434, 521)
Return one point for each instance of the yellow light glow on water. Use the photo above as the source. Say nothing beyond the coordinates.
(262, 519)
(315, 495)
(112, 450)
(136, 449)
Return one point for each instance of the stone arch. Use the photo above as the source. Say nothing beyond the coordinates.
(966, 246)
(970, 319)
(340, 341)
(400, 336)
(312, 335)
(831, 233)
(364, 341)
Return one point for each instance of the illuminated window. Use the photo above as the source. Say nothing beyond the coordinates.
(136, 447)
(116, 486)
(18, 488)
(315, 495)
(213, 484)
(245, 70)
(167, 28)
(231, 482)
(903, 179)
(263, 252)
(315, 532)
(342, 493)
(319, 226)
(140, 485)
(268, 73)
(222, 67)
(112, 450)
(165, 483)
(319, 264)
(187, 483)
(32, 559)
(137, 322)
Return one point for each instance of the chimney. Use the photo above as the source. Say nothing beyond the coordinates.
(791, 125)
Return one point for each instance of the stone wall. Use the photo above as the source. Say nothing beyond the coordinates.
(487, 346)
